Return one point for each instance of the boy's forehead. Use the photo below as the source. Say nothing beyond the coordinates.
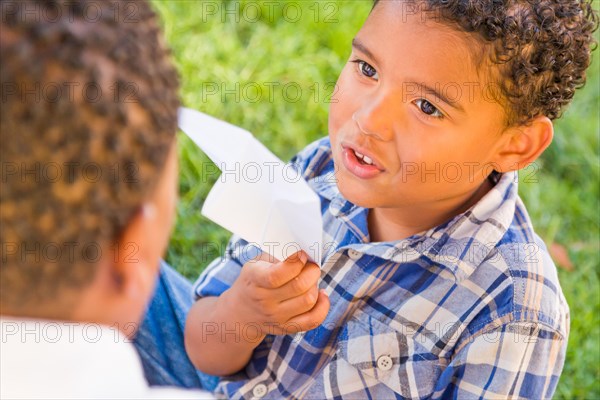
(417, 43)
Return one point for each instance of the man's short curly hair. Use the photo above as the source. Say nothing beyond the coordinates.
(543, 47)
(88, 116)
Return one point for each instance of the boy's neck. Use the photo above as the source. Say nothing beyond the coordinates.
(391, 224)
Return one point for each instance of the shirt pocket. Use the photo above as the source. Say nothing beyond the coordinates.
(385, 359)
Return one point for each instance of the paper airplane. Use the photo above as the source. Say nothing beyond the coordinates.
(258, 197)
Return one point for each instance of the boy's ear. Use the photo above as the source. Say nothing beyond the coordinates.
(525, 143)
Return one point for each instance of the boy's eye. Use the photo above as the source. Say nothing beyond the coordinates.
(428, 108)
(367, 69)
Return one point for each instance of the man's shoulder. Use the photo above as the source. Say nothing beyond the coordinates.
(44, 357)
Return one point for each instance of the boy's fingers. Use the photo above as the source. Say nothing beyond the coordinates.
(311, 319)
(299, 304)
(299, 256)
(300, 284)
(265, 257)
(277, 275)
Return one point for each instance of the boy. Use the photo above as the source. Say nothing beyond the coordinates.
(89, 186)
(433, 282)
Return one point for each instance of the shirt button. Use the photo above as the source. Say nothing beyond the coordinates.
(385, 363)
(353, 254)
(259, 390)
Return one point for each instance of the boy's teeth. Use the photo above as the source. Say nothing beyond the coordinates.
(363, 158)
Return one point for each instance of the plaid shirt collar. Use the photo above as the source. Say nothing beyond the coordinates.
(494, 213)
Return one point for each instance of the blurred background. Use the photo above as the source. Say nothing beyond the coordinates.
(271, 67)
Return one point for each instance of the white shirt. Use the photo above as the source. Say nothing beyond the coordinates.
(66, 360)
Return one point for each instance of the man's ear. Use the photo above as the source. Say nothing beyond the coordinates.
(133, 266)
(125, 276)
(525, 143)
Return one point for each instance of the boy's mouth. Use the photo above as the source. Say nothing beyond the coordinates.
(358, 163)
(362, 158)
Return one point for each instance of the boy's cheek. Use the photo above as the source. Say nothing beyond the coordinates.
(340, 118)
(334, 123)
(343, 100)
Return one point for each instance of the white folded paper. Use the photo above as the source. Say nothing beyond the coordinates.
(258, 197)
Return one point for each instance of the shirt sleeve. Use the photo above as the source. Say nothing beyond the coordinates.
(517, 359)
(222, 272)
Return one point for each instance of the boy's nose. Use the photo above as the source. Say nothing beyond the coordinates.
(375, 118)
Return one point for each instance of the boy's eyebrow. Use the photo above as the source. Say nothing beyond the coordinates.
(422, 87)
(357, 44)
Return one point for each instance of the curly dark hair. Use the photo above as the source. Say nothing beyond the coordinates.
(543, 47)
(88, 116)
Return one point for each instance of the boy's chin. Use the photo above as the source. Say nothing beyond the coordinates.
(357, 195)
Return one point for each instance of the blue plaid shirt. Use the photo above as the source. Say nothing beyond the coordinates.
(471, 308)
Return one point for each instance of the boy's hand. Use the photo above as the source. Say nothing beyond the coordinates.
(280, 297)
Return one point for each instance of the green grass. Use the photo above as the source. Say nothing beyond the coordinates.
(307, 54)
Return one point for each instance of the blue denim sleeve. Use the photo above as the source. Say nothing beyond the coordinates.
(222, 272)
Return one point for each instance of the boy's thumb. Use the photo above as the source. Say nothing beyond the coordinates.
(298, 256)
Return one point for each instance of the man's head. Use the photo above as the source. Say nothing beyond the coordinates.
(438, 94)
(88, 122)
